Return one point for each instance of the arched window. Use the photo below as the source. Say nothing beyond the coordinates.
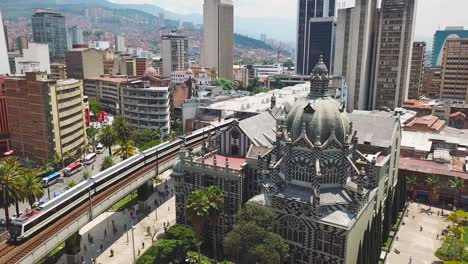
(235, 134)
(301, 170)
(291, 228)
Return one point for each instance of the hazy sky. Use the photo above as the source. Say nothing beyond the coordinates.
(432, 14)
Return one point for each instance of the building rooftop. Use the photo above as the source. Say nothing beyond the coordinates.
(453, 169)
(418, 104)
(110, 79)
(422, 141)
(260, 129)
(234, 163)
(379, 133)
(429, 122)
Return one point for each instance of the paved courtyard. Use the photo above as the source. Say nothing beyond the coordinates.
(418, 245)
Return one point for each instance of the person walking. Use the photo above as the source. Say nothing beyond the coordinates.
(410, 259)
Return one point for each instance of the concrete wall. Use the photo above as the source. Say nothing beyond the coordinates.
(93, 63)
(36, 52)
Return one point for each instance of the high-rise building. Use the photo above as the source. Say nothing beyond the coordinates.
(315, 34)
(4, 66)
(394, 45)
(46, 116)
(58, 71)
(49, 27)
(76, 36)
(417, 70)
(175, 53)
(440, 37)
(21, 43)
(35, 58)
(454, 74)
(354, 50)
(119, 43)
(84, 63)
(218, 37)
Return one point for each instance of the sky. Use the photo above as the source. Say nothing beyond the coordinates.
(432, 14)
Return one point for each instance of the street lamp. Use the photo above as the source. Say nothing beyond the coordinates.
(133, 243)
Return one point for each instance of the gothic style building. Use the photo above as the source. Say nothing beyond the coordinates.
(334, 203)
(228, 160)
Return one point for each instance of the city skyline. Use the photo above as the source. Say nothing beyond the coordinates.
(431, 14)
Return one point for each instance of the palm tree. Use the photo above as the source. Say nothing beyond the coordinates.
(432, 181)
(57, 160)
(410, 182)
(458, 184)
(107, 163)
(31, 187)
(13, 164)
(86, 174)
(216, 204)
(126, 149)
(9, 185)
(197, 209)
(47, 167)
(108, 137)
(71, 184)
(122, 128)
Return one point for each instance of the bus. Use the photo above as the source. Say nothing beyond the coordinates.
(72, 169)
(99, 148)
(51, 179)
(90, 158)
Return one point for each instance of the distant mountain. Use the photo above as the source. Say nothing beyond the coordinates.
(250, 43)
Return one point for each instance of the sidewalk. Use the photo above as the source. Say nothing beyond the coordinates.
(419, 245)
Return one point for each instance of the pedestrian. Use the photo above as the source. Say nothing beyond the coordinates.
(143, 244)
(92, 167)
(101, 247)
(138, 252)
(413, 216)
(105, 234)
(437, 238)
(125, 227)
(438, 213)
(397, 238)
(410, 259)
(85, 248)
(420, 228)
(168, 208)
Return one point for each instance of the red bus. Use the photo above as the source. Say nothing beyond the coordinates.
(72, 169)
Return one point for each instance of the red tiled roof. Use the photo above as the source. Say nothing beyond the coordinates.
(234, 163)
(430, 167)
(457, 114)
(417, 104)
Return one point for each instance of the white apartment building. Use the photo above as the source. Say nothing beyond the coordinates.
(101, 45)
(264, 71)
(145, 106)
(4, 67)
(35, 58)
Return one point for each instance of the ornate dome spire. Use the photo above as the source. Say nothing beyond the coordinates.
(319, 80)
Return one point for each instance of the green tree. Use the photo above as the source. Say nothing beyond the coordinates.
(458, 185)
(459, 217)
(95, 107)
(71, 184)
(107, 163)
(169, 251)
(410, 182)
(122, 128)
(197, 209)
(252, 239)
(86, 174)
(225, 84)
(31, 186)
(108, 137)
(47, 167)
(9, 185)
(278, 84)
(432, 181)
(216, 204)
(288, 64)
(254, 84)
(126, 149)
(91, 134)
(57, 161)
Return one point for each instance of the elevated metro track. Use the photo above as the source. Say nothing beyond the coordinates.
(37, 247)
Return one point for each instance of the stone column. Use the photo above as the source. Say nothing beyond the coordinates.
(144, 192)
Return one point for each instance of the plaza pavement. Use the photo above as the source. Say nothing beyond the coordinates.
(419, 245)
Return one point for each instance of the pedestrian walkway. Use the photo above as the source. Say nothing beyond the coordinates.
(419, 245)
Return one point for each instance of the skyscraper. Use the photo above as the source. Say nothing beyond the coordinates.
(315, 33)
(49, 27)
(354, 50)
(76, 35)
(454, 77)
(218, 37)
(417, 70)
(395, 34)
(440, 38)
(4, 62)
(174, 53)
(21, 43)
(119, 43)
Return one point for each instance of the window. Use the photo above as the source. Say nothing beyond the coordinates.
(235, 134)
(234, 150)
(291, 228)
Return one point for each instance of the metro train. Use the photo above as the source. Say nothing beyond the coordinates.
(33, 221)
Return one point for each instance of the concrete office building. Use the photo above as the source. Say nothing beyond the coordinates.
(417, 70)
(145, 105)
(141, 64)
(174, 53)
(21, 43)
(218, 37)
(4, 67)
(354, 50)
(46, 116)
(100, 45)
(49, 27)
(394, 47)
(120, 43)
(58, 71)
(84, 63)
(35, 58)
(440, 38)
(454, 74)
(76, 35)
(106, 89)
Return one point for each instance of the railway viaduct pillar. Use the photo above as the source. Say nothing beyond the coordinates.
(144, 192)
(73, 248)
